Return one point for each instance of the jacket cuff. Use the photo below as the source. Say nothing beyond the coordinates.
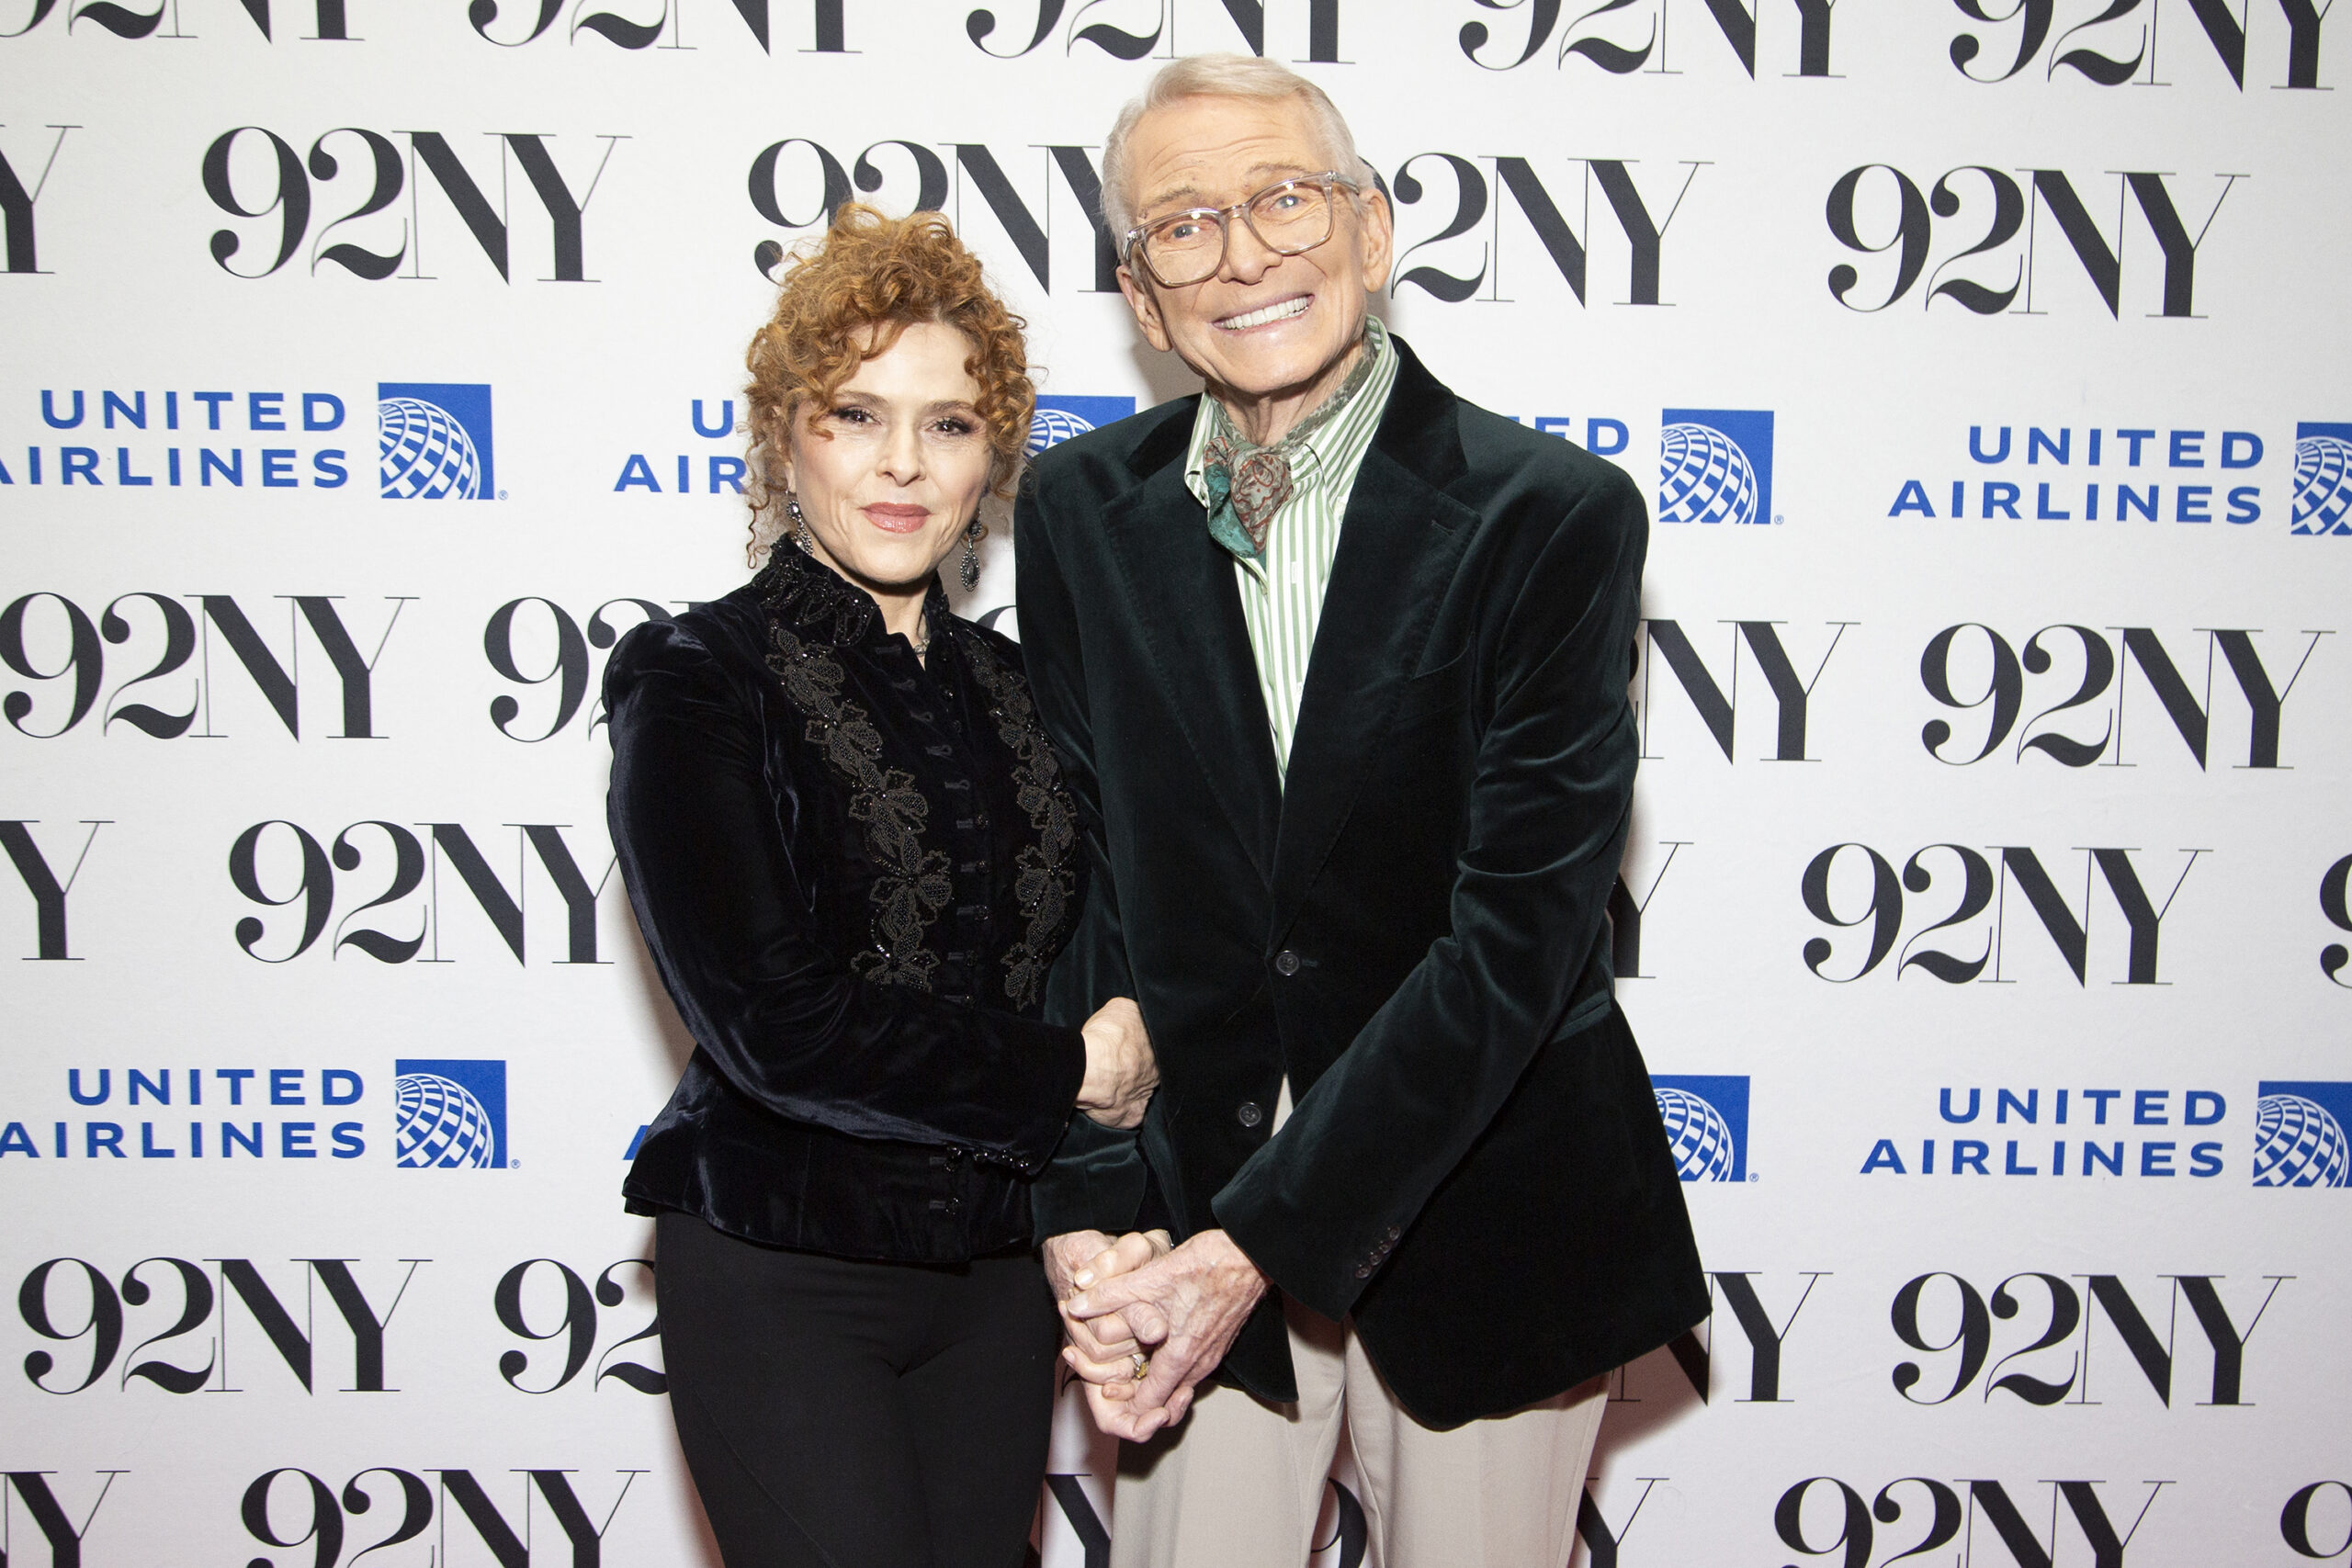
(1094, 1183)
(1308, 1271)
(1059, 1054)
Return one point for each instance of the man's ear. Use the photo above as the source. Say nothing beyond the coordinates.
(1378, 239)
(1146, 309)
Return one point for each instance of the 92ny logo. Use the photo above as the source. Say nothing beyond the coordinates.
(1804, 1525)
(1825, 887)
(796, 175)
(2002, 46)
(2084, 665)
(287, 1507)
(1942, 1314)
(1978, 212)
(71, 1302)
(1245, 25)
(251, 173)
(1611, 45)
(281, 865)
(167, 657)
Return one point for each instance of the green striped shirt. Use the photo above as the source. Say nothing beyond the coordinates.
(1282, 600)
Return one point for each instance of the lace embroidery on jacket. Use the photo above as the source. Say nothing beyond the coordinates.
(911, 883)
(1043, 878)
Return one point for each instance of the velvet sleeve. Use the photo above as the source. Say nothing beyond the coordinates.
(699, 810)
(1095, 1181)
(1551, 798)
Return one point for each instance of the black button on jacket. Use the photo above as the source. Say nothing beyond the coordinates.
(852, 870)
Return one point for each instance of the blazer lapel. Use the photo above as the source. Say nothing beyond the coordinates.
(1400, 542)
(1183, 598)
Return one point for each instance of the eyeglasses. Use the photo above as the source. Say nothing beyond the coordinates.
(1288, 218)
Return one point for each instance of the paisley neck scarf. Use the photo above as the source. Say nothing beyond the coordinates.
(1249, 483)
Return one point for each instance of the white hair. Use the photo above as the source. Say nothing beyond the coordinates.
(1221, 76)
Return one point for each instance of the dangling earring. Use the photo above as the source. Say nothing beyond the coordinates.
(974, 531)
(800, 535)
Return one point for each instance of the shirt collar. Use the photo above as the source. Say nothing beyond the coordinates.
(1332, 447)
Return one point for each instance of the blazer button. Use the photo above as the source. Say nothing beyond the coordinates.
(1248, 1113)
(1394, 1233)
(1363, 1270)
(1286, 962)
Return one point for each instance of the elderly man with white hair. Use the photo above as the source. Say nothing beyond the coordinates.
(1336, 665)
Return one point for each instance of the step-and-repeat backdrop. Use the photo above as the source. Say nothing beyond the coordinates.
(371, 368)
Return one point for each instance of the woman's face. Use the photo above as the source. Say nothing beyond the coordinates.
(890, 473)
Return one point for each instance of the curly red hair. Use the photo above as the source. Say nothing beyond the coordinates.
(845, 302)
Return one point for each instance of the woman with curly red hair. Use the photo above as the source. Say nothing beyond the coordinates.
(853, 857)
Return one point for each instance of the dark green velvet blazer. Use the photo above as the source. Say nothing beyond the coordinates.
(1412, 929)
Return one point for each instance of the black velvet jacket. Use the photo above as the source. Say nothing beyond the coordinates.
(853, 870)
(1408, 924)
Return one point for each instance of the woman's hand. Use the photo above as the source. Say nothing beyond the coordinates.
(1121, 1071)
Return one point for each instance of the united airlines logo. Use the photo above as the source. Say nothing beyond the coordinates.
(1715, 466)
(433, 441)
(1706, 1124)
(1059, 418)
(2299, 1135)
(2322, 479)
(450, 1114)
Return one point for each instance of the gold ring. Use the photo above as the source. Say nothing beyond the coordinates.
(1141, 1362)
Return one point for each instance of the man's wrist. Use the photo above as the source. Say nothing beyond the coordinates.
(1224, 1249)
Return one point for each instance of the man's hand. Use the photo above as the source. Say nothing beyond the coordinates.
(1101, 1350)
(1186, 1307)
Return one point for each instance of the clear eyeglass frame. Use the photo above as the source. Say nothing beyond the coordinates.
(1138, 246)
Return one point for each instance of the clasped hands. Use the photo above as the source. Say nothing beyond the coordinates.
(1146, 1320)
(1139, 1302)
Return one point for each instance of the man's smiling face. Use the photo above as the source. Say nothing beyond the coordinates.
(1266, 328)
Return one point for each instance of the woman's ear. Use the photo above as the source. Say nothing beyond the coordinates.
(780, 453)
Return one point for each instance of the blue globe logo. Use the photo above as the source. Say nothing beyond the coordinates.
(1051, 427)
(1698, 1135)
(422, 454)
(2322, 485)
(440, 1124)
(1703, 476)
(2297, 1144)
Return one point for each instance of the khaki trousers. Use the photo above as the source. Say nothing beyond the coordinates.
(1240, 1482)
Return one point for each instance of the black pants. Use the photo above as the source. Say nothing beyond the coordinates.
(845, 1415)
